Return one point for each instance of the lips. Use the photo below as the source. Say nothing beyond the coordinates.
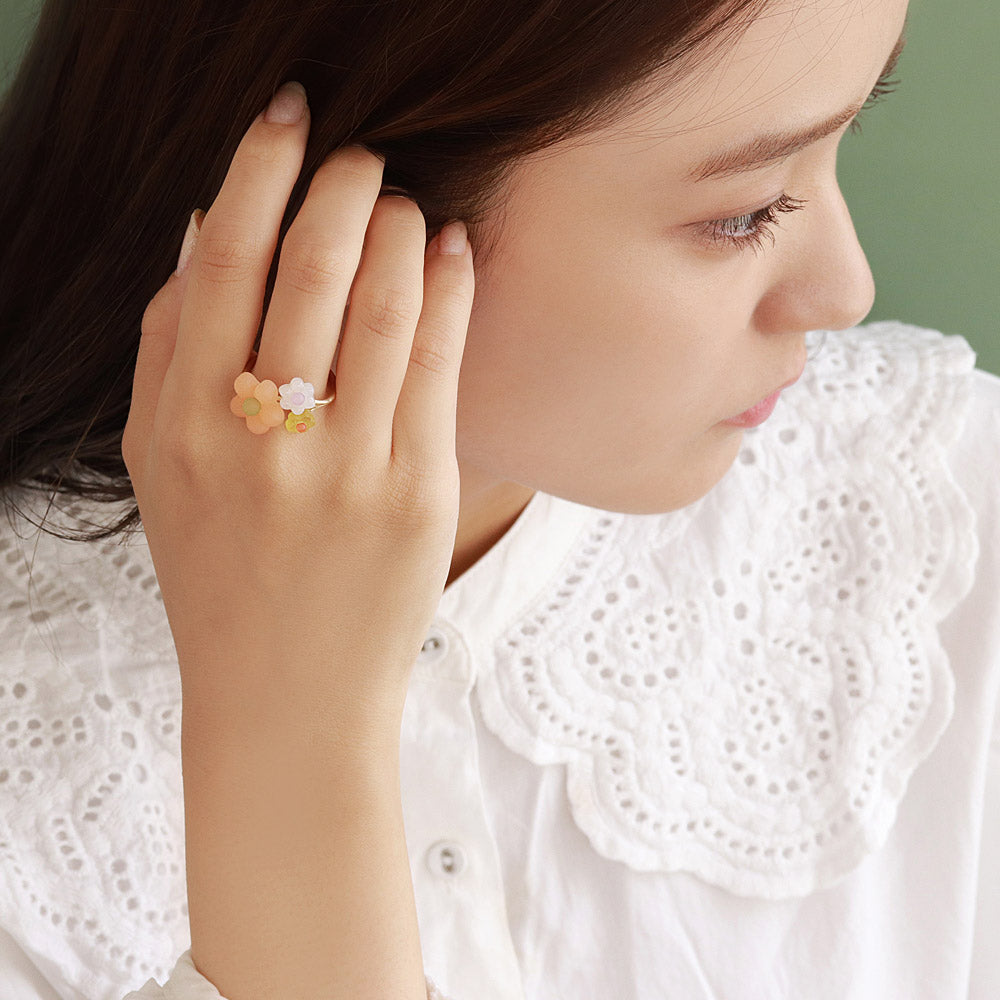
(774, 392)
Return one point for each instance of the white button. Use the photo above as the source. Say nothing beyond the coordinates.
(446, 858)
(435, 646)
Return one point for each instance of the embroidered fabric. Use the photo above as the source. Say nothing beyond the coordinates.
(187, 983)
(91, 797)
(783, 675)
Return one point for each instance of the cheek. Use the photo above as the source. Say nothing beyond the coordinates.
(589, 326)
(579, 369)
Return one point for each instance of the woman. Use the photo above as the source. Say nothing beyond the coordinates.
(741, 687)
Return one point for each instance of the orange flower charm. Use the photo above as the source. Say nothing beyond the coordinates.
(257, 402)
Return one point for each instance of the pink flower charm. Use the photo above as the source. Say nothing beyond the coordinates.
(297, 395)
(256, 401)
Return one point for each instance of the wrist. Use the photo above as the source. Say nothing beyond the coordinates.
(275, 750)
(307, 842)
(241, 711)
(267, 781)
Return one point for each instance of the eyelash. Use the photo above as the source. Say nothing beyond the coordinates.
(750, 230)
(885, 86)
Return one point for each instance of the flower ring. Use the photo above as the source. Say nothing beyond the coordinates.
(258, 402)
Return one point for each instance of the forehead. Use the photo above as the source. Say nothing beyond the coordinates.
(795, 63)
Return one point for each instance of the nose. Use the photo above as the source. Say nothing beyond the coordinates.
(824, 283)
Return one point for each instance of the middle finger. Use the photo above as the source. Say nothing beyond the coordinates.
(316, 267)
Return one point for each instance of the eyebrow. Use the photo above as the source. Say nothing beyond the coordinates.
(770, 146)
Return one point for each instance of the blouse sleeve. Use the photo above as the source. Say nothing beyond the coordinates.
(985, 977)
(187, 983)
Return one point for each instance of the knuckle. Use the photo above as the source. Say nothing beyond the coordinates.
(160, 312)
(430, 354)
(180, 446)
(402, 212)
(353, 488)
(265, 148)
(152, 317)
(355, 157)
(452, 287)
(227, 257)
(415, 496)
(390, 312)
(353, 167)
(182, 456)
(313, 267)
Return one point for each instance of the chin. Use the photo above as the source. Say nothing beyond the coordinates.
(653, 489)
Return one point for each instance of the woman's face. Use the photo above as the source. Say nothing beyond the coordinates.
(609, 335)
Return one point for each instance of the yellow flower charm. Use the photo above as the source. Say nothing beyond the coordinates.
(258, 402)
(299, 423)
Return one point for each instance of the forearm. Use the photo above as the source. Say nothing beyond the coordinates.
(298, 877)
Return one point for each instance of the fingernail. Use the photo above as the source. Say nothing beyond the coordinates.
(288, 105)
(190, 239)
(453, 238)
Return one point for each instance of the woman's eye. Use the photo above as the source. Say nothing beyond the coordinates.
(749, 231)
(745, 231)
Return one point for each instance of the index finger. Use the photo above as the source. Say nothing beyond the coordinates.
(227, 275)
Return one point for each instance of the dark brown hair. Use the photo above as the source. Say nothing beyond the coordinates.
(122, 118)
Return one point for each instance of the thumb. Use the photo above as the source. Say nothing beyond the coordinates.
(156, 347)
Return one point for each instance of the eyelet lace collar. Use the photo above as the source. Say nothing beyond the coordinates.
(740, 689)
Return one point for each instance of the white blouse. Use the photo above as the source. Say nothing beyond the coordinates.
(746, 749)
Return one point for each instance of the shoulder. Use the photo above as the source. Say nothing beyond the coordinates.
(972, 458)
(958, 402)
(976, 450)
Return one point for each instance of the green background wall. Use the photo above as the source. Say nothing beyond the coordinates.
(921, 179)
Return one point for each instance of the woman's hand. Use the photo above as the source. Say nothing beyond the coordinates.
(300, 571)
